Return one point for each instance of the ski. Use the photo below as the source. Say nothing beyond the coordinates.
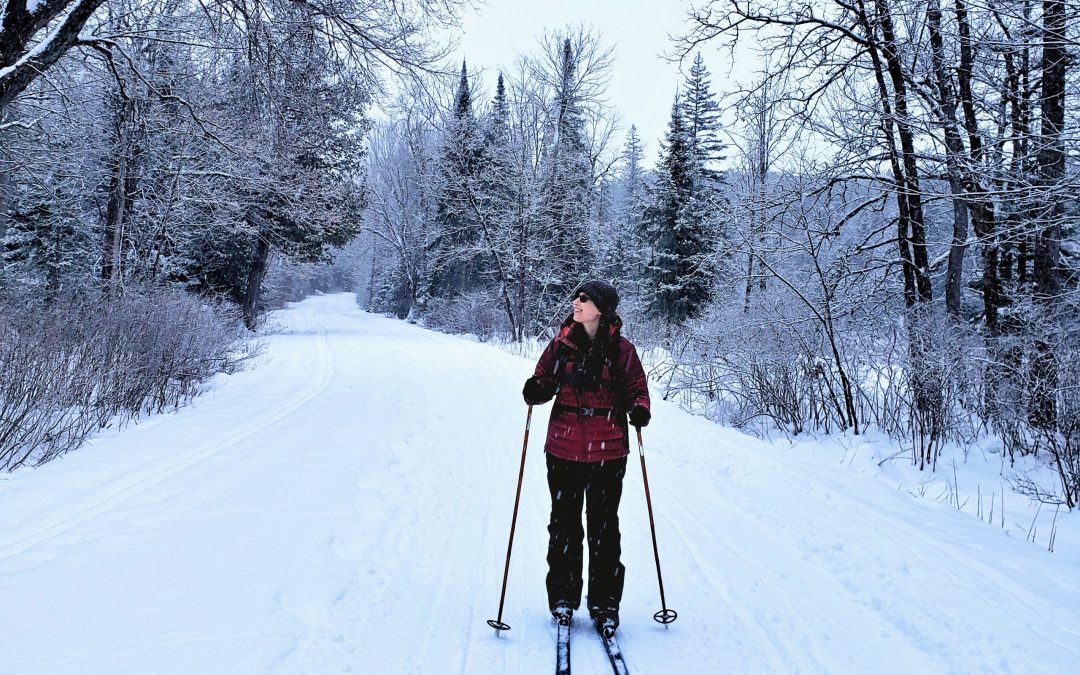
(611, 645)
(562, 650)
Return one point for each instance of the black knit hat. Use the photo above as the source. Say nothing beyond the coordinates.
(603, 295)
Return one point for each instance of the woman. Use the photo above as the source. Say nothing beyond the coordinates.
(596, 379)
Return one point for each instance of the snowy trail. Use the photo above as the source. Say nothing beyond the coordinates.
(344, 507)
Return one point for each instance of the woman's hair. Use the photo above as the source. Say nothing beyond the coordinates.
(603, 351)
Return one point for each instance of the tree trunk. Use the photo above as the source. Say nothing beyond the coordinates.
(957, 249)
(6, 184)
(256, 274)
(372, 278)
(1047, 251)
(981, 208)
(759, 173)
(121, 188)
(911, 231)
(1003, 392)
(908, 179)
(752, 239)
(954, 154)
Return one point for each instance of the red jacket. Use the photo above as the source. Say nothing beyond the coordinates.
(584, 438)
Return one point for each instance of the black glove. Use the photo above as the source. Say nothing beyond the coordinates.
(640, 416)
(539, 389)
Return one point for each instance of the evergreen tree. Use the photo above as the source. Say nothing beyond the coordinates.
(504, 198)
(679, 271)
(44, 246)
(702, 118)
(456, 259)
(629, 252)
(297, 192)
(497, 133)
(633, 154)
(568, 196)
(633, 181)
(498, 168)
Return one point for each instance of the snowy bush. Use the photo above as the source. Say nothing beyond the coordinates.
(478, 313)
(82, 363)
(1013, 412)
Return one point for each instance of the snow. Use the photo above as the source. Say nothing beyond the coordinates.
(976, 481)
(345, 505)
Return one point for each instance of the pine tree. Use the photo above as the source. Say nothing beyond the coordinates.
(503, 197)
(497, 133)
(702, 118)
(297, 191)
(46, 245)
(702, 114)
(498, 169)
(679, 270)
(568, 195)
(628, 253)
(43, 246)
(633, 183)
(455, 258)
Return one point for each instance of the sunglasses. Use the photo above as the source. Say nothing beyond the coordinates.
(581, 297)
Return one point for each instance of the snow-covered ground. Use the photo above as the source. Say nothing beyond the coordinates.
(344, 506)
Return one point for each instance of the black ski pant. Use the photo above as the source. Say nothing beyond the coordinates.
(598, 487)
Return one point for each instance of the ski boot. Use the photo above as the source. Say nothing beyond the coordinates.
(563, 613)
(606, 621)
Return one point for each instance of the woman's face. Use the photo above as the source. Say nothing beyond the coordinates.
(585, 309)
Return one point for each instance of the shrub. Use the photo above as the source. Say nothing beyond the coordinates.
(82, 363)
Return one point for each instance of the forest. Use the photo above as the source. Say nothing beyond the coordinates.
(878, 231)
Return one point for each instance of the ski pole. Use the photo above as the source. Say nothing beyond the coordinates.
(665, 615)
(498, 624)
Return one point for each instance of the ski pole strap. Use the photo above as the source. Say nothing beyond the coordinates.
(585, 412)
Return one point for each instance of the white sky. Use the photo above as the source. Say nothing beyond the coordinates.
(643, 83)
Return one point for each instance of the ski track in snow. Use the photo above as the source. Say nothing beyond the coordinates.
(108, 497)
(345, 507)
